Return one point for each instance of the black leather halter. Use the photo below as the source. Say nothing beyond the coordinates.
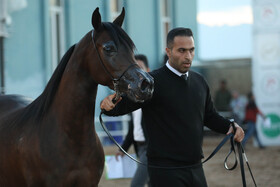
(115, 80)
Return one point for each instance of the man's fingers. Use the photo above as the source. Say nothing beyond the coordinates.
(118, 100)
(230, 130)
(107, 103)
(239, 135)
(117, 156)
(119, 153)
(112, 96)
(237, 138)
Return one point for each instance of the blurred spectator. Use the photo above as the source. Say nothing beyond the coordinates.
(137, 137)
(250, 118)
(237, 105)
(222, 98)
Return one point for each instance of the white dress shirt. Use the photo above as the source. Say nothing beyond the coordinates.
(175, 71)
(138, 134)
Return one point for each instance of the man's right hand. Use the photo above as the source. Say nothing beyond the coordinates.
(107, 103)
(119, 153)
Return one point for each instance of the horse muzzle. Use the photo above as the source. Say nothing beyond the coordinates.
(137, 85)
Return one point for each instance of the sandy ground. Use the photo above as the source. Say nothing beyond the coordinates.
(265, 165)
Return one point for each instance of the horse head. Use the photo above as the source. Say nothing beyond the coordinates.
(115, 51)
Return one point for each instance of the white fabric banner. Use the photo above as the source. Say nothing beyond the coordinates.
(3, 17)
(266, 68)
(6, 8)
(15, 5)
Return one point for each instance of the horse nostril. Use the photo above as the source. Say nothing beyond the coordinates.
(145, 83)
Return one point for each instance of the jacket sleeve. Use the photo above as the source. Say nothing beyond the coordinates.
(125, 106)
(212, 119)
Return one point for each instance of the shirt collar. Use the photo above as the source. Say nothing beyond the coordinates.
(175, 71)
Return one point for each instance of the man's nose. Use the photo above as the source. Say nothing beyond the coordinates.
(188, 55)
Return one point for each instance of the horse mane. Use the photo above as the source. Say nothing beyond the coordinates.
(41, 104)
(119, 35)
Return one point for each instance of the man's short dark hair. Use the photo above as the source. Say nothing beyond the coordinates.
(180, 31)
(142, 58)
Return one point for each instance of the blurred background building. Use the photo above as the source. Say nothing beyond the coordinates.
(34, 35)
(38, 33)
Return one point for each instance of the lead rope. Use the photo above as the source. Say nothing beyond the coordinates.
(232, 149)
(154, 166)
(242, 154)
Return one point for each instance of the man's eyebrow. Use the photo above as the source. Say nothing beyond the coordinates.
(182, 48)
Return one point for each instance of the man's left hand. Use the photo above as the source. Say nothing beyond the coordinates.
(239, 134)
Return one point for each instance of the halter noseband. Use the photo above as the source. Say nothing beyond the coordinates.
(115, 80)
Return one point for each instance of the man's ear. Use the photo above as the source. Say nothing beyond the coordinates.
(168, 51)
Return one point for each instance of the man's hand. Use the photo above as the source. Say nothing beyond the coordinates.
(239, 134)
(107, 103)
(119, 153)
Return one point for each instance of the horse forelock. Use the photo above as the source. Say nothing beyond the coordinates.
(119, 35)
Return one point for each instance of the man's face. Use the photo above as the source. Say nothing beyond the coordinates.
(181, 53)
(142, 65)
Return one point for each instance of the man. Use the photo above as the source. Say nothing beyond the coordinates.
(251, 113)
(175, 116)
(136, 136)
(238, 105)
(222, 97)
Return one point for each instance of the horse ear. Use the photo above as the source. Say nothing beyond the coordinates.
(119, 20)
(96, 19)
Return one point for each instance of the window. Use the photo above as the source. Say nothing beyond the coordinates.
(165, 20)
(115, 8)
(57, 31)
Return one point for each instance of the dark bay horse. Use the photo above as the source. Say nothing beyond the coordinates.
(52, 140)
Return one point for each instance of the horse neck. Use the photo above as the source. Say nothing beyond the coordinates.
(75, 99)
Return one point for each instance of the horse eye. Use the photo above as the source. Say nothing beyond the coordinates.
(110, 47)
